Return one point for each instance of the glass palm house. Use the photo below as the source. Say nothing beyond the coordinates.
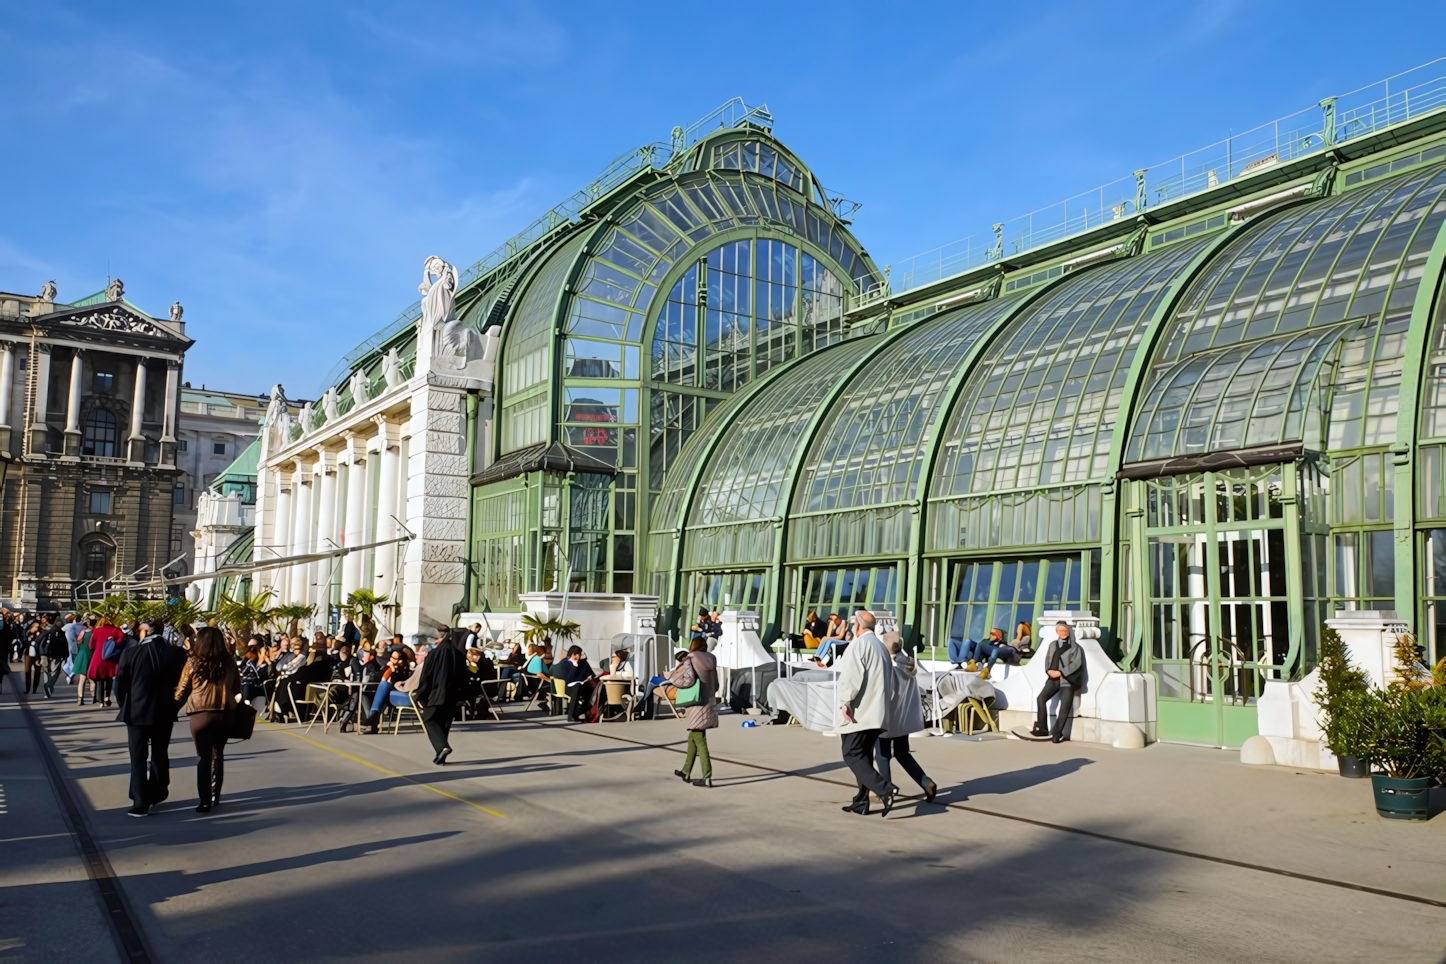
(1212, 413)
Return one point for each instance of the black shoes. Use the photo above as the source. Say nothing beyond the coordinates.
(705, 782)
(138, 812)
(931, 790)
(203, 808)
(890, 800)
(441, 758)
(681, 775)
(1038, 730)
(1057, 739)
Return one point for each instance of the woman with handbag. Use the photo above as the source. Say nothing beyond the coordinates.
(209, 686)
(696, 679)
(106, 644)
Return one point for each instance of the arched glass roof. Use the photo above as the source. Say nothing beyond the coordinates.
(1040, 407)
(1433, 388)
(870, 447)
(748, 476)
(1354, 258)
(1264, 392)
(531, 335)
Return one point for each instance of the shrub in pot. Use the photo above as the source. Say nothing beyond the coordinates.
(1402, 731)
(1339, 696)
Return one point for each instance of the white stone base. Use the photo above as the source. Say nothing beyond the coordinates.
(1085, 729)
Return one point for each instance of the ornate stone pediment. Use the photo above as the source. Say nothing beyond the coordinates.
(113, 317)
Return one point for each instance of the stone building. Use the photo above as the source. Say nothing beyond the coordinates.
(89, 396)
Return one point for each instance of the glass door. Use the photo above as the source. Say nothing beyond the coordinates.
(1220, 608)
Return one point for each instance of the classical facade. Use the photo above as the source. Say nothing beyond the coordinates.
(89, 396)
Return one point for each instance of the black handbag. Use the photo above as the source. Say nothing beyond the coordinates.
(241, 722)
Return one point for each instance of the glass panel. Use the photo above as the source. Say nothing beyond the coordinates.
(870, 447)
(1041, 405)
(1353, 259)
(749, 475)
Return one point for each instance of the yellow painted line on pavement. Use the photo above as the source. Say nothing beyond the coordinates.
(391, 773)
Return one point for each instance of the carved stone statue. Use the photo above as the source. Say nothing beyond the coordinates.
(176, 312)
(358, 386)
(439, 294)
(116, 290)
(307, 418)
(392, 367)
(329, 405)
(48, 291)
(278, 419)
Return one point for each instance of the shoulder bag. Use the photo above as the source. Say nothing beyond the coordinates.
(689, 695)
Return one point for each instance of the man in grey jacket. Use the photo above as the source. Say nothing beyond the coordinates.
(865, 673)
(1065, 674)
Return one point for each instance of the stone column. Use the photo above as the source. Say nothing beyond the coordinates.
(300, 534)
(325, 531)
(7, 388)
(40, 371)
(354, 533)
(437, 489)
(72, 402)
(385, 580)
(137, 441)
(280, 532)
(168, 417)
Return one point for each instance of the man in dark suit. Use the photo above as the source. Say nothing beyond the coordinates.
(145, 687)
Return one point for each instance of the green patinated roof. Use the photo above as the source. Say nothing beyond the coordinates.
(242, 470)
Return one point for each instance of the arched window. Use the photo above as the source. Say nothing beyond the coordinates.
(97, 560)
(101, 435)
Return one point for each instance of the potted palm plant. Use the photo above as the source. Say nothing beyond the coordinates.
(1339, 696)
(1402, 734)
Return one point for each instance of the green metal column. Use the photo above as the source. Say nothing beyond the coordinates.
(1110, 529)
(1408, 421)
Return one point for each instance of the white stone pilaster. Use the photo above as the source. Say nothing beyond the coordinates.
(326, 537)
(354, 524)
(437, 488)
(300, 534)
(388, 481)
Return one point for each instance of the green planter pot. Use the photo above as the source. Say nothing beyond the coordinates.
(1401, 799)
(1352, 767)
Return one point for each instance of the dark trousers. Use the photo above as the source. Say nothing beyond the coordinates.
(858, 753)
(52, 674)
(579, 701)
(438, 725)
(208, 730)
(1064, 717)
(150, 748)
(34, 669)
(897, 748)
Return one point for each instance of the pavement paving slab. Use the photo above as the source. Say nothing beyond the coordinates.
(567, 842)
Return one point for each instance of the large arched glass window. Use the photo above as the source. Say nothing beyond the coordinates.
(101, 437)
(97, 555)
(746, 307)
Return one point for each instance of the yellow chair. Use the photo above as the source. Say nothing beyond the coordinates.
(559, 695)
(410, 705)
(973, 710)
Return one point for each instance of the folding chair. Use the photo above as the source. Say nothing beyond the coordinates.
(618, 694)
(559, 695)
(973, 710)
(401, 708)
(319, 696)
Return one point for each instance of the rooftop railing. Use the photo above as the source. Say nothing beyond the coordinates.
(1333, 121)
(654, 156)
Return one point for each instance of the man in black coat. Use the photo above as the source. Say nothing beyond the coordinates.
(145, 687)
(55, 649)
(438, 690)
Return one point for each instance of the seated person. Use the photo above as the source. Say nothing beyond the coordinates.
(368, 672)
(391, 689)
(620, 665)
(577, 676)
(479, 673)
(814, 630)
(707, 625)
(993, 649)
(658, 685)
(960, 652)
(836, 632)
(1022, 642)
(510, 668)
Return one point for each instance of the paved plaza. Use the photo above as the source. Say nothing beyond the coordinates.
(547, 842)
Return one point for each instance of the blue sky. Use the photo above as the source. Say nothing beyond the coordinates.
(283, 169)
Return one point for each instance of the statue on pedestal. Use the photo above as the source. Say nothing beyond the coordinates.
(116, 290)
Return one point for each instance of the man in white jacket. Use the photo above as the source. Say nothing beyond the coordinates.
(865, 674)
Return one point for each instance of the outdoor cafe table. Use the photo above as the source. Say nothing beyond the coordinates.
(323, 701)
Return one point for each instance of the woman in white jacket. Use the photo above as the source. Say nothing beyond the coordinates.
(906, 715)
